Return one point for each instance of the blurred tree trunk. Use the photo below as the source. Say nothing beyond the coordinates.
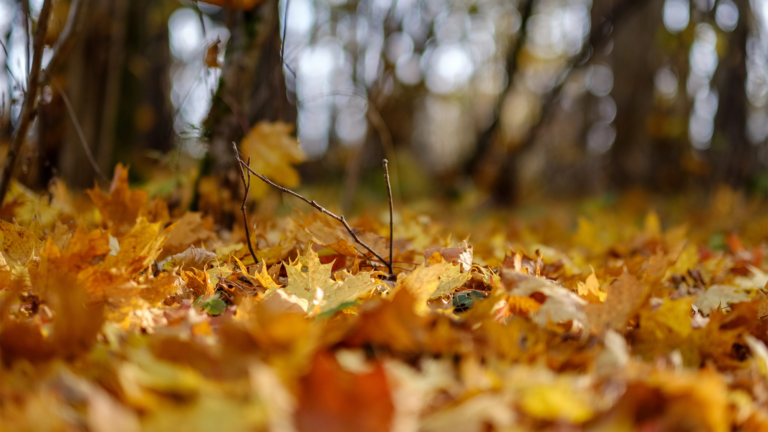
(116, 79)
(251, 89)
(142, 103)
(634, 63)
(252, 85)
(732, 156)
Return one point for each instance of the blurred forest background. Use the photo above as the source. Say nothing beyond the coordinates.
(509, 99)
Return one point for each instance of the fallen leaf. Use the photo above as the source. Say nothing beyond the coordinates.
(272, 151)
(332, 399)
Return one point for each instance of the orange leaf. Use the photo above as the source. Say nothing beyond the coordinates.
(333, 399)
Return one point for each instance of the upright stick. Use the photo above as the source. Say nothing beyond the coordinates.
(391, 210)
(247, 188)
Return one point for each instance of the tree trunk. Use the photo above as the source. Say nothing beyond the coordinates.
(732, 156)
(634, 63)
(252, 85)
(116, 78)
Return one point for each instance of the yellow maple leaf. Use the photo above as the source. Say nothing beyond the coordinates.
(439, 279)
(19, 244)
(306, 275)
(263, 278)
(190, 229)
(687, 260)
(672, 316)
(590, 290)
(273, 152)
(122, 206)
(198, 282)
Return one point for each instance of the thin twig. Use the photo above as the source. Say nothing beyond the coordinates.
(247, 188)
(318, 207)
(28, 109)
(78, 129)
(391, 210)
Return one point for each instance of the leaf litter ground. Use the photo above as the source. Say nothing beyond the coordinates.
(118, 316)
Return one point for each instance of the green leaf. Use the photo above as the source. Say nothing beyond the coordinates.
(466, 299)
(717, 242)
(215, 306)
(332, 312)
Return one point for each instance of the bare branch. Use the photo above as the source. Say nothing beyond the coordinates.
(247, 188)
(318, 207)
(78, 129)
(28, 109)
(391, 210)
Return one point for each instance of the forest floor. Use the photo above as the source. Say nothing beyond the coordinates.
(618, 313)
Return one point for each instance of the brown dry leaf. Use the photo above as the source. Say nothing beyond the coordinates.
(193, 257)
(273, 152)
(122, 206)
(342, 247)
(197, 282)
(138, 249)
(190, 229)
(624, 299)
(462, 255)
(156, 289)
(392, 322)
(335, 400)
(75, 322)
(321, 229)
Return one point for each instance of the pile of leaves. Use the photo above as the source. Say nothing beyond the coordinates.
(116, 316)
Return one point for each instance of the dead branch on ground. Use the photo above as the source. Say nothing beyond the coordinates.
(317, 206)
